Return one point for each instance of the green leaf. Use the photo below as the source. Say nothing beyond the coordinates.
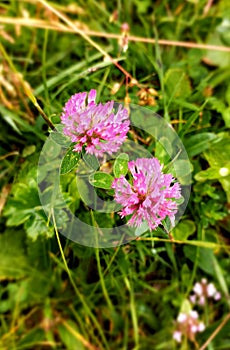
(71, 337)
(91, 161)
(189, 123)
(60, 138)
(177, 84)
(213, 173)
(14, 264)
(21, 206)
(25, 208)
(28, 150)
(186, 306)
(181, 170)
(37, 225)
(121, 165)
(101, 180)
(32, 339)
(15, 120)
(163, 150)
(204, 257)
(220, 277)
(216, 57)
(226, 116)
(197, 144)
(70, 161)
(218, 157)
(183, 230)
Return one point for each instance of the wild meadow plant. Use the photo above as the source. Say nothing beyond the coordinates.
(187, 325)
(94, 127)
(189, 321)
(149, 196)
(97, 249)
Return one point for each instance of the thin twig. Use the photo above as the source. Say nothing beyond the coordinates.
(54, 25)
(217, 330)
(85, 36)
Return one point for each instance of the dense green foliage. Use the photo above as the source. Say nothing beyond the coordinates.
(126, 297)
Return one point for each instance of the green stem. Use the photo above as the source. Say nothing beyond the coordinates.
(133, 313)
(86, 307)
(106, 295)
(104, 290)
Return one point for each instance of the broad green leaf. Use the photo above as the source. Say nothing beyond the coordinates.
(213, 173)
(218, 157)
(18, 218)
(70, 161)
(121, 165)
(220, 106)
(216, 57)
(219, 153)
(183, 230)
(85, 191)
(59, 138)
(203, 257)
(101, 180)
(91, 161)
(177, 84)
(163, 150)
(196, 144)
(181, 170)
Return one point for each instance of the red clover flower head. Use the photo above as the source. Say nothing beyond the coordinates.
(151, 195)
(94, 126)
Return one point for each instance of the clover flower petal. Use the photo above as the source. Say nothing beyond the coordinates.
(151, 195)
(94, 126)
